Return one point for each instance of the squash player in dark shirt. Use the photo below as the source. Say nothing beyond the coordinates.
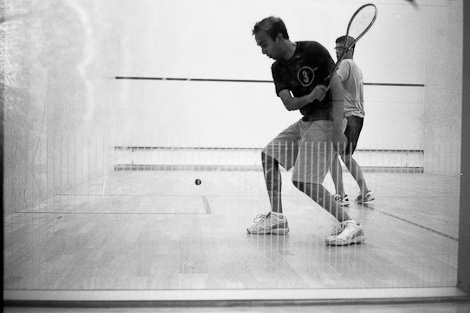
(308, 146)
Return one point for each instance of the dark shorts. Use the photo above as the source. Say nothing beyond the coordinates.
(352, 132)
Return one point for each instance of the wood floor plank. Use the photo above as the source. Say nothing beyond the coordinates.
(152, 230)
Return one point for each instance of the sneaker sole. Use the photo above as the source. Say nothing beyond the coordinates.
(277, 231)
(358, 239)
(366, 200)
(352, 242)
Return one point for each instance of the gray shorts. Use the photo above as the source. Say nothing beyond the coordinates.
(307, 147)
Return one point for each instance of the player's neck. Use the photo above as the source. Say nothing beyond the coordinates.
(289, 50)
(349, 55)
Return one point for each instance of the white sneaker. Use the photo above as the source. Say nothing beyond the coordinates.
(271, 223)
(342, 200)
(369, 196)
(346, 233)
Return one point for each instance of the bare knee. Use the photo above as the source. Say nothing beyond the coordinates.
(312, 189)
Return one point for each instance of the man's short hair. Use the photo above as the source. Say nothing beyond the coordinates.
(346, 40)
(272, 26)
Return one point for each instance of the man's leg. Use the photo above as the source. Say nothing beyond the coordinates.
(337, 175)
(353, 131)
(314, 161)
(356, 172)
(274, 222)
(366, 194)
(347, 231)
(281, 151)
(320, 195)
(273, 180)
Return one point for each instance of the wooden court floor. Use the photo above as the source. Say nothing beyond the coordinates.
(157, 230)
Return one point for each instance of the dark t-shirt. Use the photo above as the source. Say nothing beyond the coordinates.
(308, 67)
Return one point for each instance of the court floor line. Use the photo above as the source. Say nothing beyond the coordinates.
(412, 223)
(104, 187)
(207, 206)
(208, 210)
(205, 202)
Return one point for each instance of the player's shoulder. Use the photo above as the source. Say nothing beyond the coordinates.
(313, 47)
(351, 64)
(309, 44)
(348, 62)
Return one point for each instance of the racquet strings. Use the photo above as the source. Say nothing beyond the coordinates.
(360, 23)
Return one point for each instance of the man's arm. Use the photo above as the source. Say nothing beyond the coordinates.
(337, 113)
(343, 70)
(296, 103)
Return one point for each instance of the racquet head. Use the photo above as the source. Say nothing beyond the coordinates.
(361, 21)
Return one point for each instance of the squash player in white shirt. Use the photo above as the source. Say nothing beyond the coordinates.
(352, 80)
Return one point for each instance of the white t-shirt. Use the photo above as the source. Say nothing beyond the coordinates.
(351, 77)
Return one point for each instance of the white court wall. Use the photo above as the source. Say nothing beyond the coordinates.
(182, 39)
(185, 39)
(443, 92)
(58, 96)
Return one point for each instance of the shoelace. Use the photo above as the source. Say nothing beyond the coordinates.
(339, 197)
(338, 229)
(261, 218)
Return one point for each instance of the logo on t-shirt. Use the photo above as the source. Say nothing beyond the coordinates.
(306, 75)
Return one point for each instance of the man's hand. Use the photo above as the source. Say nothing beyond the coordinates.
(296, 103)
(318, 93)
